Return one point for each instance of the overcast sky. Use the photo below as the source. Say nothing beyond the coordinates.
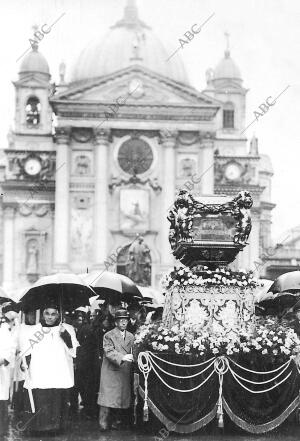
(265, 44)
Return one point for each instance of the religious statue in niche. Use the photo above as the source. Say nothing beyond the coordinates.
(139, 262)
(187, 167)
(32, 260)
(82, 165)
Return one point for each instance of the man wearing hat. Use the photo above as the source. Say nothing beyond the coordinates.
(115, 391)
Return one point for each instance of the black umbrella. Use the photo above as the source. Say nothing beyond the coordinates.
(68, 291)
(278, 302)
(6, 302)
(113, 287)
(287, 282)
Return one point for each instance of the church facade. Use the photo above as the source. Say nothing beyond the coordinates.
(94, 167)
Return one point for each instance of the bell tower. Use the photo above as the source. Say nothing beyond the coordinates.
(225, 83)
(28, 183)
(33, 115)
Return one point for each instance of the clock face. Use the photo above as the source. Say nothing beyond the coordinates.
(136, 88)
(32, 166)
(232, 172)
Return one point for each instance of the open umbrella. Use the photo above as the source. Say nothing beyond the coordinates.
(68, 291)
(6, 302)
(4, 297)
(114, 286)
(278, 303)
(286, 282)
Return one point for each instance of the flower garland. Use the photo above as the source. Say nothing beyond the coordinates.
(269, 339)
(184, 276)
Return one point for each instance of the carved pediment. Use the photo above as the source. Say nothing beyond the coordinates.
(136, 85)
(31, 80)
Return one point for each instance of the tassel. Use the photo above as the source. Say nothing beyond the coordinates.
(221, 421)
(136, 380)
(146, 413)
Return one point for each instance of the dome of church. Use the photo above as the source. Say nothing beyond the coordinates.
(129, 42)
(34, 62)
(227, 68)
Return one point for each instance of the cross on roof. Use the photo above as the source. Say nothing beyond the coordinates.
(227, 35)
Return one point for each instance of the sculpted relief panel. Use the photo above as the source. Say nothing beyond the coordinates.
(81, 229)
(82, 163)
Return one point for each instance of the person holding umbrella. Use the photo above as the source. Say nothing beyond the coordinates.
(48, 365)
(115, 391)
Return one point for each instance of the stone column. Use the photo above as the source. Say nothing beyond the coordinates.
(168, 142)
(101, 198)
(62, 200)
(8, 247)
(207, 170)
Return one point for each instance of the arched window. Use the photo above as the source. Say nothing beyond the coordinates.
(33, 111)
(228, 116)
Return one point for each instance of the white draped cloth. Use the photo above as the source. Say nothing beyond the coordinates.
(51, 365)
(7, 351)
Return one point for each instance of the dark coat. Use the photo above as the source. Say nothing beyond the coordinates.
(85, 355)
(132, 327)
(115, 388)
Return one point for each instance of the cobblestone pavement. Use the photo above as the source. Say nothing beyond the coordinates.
(81, 429)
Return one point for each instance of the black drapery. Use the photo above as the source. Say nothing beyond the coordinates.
(261, 412)
(178, 411)
(187, 412)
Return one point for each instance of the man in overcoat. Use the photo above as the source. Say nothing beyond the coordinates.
(115, 390)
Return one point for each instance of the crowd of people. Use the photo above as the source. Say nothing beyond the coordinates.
(65, 365)
(57, 366)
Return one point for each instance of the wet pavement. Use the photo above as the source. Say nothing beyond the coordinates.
(81, 429)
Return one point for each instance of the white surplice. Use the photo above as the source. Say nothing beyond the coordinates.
(51, 365)
(7, 351)
(23, 333)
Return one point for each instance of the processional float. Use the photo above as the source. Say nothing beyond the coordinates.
(211, 355)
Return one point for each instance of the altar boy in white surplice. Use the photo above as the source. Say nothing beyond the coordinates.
(7, 356)
(50, 373)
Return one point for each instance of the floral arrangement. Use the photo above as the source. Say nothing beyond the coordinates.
(269, 339)
(184, 276)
